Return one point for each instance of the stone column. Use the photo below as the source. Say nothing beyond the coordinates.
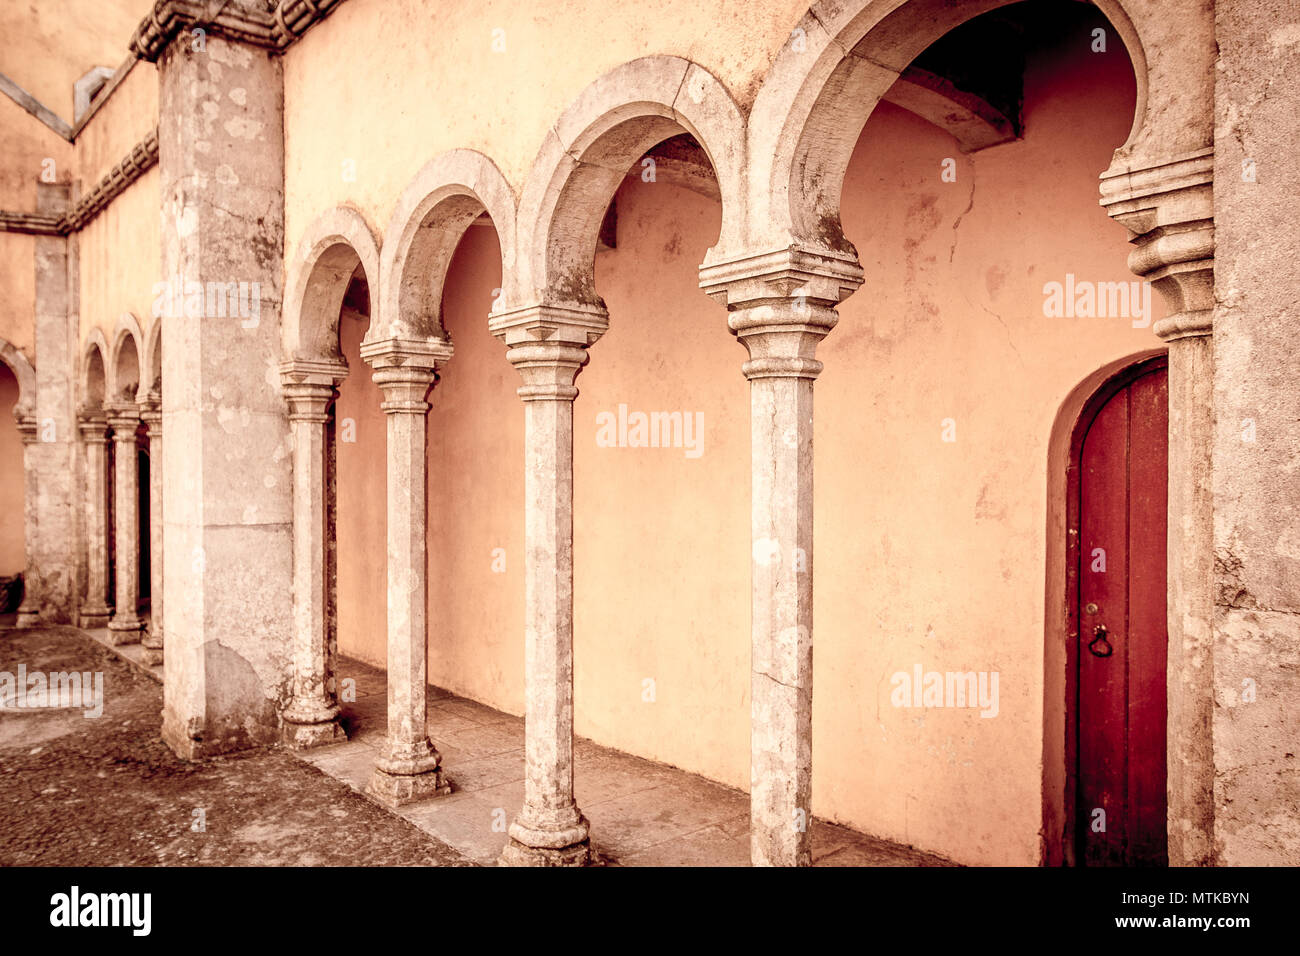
(409, 767)
(151, 415)
(95, 610)
(548, 347)
(1168, 210)
(51, 459)
(227, 462)
(312, 717)
(126, 625)
(29, 614)
(781, 305)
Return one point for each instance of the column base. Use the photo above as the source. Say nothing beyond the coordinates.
(124, 630)
(306, 736)
(307, 726)
(93, 618)
(530, 846)
(399, 789)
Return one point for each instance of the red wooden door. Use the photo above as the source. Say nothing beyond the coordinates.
(1122, 631)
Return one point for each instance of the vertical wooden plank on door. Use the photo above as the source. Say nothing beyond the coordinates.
(1147, 632)
(1103, 602)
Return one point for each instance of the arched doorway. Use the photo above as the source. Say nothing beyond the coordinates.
(1116, 509)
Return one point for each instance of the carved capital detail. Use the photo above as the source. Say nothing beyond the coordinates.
(1168, 210)
(781, 304)
(817, 277)
(570, 324)
(124, 419)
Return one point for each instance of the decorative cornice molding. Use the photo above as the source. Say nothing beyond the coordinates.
(266, 24)
(139, 161)
(1168, 210)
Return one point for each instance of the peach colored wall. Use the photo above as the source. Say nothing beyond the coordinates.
(662, 538)
(125, 118)
(933, 553)
(46, 47)
(476, 494)
(928, 552)
(120, 255)
(13, 548)
(27, 143)
(450, 93)
(360, 522)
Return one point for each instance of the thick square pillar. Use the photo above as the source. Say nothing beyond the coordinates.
(51, 457)
(1256, 367)
(227, 478)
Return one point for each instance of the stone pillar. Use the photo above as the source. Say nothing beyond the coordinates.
(1257, 441)
(781, 305)
(29, 610)
(409, 767)
(151, 415)
(548, 347)
(1168, 210)
(312, 717)
(227, 476)
(51, 459)
(95, 610)
(126, 625)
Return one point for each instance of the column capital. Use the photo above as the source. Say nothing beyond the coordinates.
(794, 274)
(781, 303)
(28, 428)
(124, 419)
(151, 412)
(399, 353)
(1168, 209)
(93, 425)
(309, 387)
(548, 370)
(568, 324)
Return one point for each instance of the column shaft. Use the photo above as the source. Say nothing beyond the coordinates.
(409, 768)
(126, 625)
(550, 830)
(781, 408)
(153, 638)
(95, 611)
(311, 719)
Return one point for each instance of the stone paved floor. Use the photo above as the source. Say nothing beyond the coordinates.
(106, 791)
(642, 813)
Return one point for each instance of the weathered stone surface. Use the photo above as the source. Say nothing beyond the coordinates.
(1256, 484)
(227, 538)
(409, 768)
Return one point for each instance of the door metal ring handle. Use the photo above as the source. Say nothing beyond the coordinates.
(1099, 638)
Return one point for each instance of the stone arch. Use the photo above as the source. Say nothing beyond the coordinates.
(334, 247)
(124, 370)
(151, 362)
(17, 362)
(840, 61)
(432, 214)
(94, 378)
(596, 142)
